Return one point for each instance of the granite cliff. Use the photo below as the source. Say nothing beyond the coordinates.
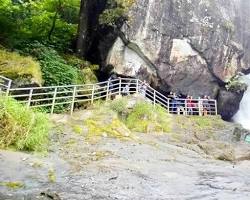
(190, 46)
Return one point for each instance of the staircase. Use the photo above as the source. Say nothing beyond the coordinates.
(75, 95)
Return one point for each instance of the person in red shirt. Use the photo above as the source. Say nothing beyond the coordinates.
(190, 105)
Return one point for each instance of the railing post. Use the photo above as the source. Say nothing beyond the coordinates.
(73, 101)
(8, 88)
(137, 86)
(107, 93)
(215, 105)
(200, 102)
(92, 95)
(186, 110)
(168, 106)
(30, 97)
(154, 98)
(53, 101)
(120, 85)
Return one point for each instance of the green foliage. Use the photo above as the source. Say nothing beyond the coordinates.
(55, 70)
(145, 118)
(119, 105)
(235, 84)
(77, 129)
(22, 128)
(115, 129)
(52, 175)
(104, 122)
(13, 185)
(36, 20)
(117, 10)
(85, 69)
(13, 66)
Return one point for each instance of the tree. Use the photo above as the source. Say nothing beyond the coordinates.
(99, 13)
(43, 20)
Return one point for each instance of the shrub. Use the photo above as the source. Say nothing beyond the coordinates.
(119, 105)
(85, 69)
(235, 84)
(36, 20)
(21, 127)
(116, 12)
(55, 70)
(13, 65)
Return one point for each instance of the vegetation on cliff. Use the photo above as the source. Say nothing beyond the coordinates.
(116, 12)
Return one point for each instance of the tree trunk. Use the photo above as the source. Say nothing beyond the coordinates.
(82, 28)
(88, 24)
(54, 19)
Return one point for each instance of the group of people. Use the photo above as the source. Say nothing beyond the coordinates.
(178, 104)
(126, 88)
(187, 105)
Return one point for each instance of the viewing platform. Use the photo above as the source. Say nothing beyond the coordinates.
(75, 95)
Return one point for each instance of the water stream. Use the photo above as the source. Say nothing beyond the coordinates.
(243, 115)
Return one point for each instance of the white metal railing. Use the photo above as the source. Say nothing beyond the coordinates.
(72, 95)
(5, 85)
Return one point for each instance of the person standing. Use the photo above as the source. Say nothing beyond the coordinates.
(205, 105)
(125, 90)
(200, 106)
(189, 105)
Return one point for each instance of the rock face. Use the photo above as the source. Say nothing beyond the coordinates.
(190, 46)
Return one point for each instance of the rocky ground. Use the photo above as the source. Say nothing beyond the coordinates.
(137, 166)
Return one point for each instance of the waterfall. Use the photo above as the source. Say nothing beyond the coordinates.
(243, 115)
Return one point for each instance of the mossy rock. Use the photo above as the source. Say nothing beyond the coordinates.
(218, 150)
(23, 70)
(13, 185)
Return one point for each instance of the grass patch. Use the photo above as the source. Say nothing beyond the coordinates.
(13, 185)
(119, 105)
(144, 117)
(104, 122)
(52, 176)
(21, 127)
(115, 129)
(77, 129)
(209, 122)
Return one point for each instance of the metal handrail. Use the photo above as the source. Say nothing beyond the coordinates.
(72, 94)
(5, 84)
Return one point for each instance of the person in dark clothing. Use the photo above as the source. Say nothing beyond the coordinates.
(210, 105)
(175, 102)
(205, 105)
(170, 96)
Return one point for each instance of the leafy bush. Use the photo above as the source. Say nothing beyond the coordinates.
(117, 10)
(55, 70)
(86, 69)
(13, 65)
(21, 127)
(144, 118)
(44, 20)
(119, 105)
(235, 84)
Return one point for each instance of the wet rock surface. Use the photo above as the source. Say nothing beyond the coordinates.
(149, 166)
(192, 47)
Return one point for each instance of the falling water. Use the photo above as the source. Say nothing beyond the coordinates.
(243, 115)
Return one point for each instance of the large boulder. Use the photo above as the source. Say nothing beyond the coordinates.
(190, 46)
(23, 70)
(228, 103)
